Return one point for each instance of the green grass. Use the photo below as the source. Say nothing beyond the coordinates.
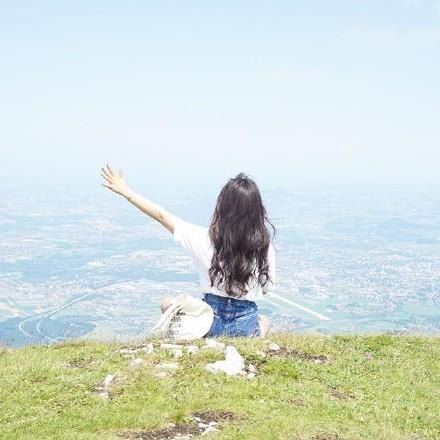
(373, 387)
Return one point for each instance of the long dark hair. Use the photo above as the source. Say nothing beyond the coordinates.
(240, 233)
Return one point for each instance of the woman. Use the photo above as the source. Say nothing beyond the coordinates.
(235, 256)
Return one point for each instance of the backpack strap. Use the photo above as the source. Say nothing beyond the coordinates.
(167, 316)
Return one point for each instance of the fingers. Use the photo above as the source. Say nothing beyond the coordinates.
(106, 172)
(110, 170)
(108, 179)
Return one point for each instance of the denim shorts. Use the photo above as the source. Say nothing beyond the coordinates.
(232, 317)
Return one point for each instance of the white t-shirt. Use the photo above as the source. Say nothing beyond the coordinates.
(195, 239)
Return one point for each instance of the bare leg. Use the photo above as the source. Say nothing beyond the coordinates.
(265, 324)
(166, 302)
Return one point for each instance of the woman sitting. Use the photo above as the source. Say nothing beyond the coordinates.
(234, 256)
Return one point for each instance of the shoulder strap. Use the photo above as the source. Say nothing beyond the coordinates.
(166, 317)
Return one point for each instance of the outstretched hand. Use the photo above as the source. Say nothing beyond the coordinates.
(115, 181)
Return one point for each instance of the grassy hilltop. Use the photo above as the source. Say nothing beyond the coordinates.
(315, 387)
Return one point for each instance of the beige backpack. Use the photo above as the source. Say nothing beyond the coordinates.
(186, 318)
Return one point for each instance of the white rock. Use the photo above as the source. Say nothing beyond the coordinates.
(177, 353)
(103, 389)
(250, 375)
(167, 366)
(261, 353)
(232, 355)
(209, 429)
(274, 347)
(232, 365)
(192, 349)
(126, 351)
(217, 367)
(137, 363)
(108, 380)
(175, 349)
(215, 345)
(251, 368)
(162, 374)
(171, 347)
(148, 349)
(131, 350)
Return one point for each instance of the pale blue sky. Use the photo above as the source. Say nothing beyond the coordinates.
(196, 91)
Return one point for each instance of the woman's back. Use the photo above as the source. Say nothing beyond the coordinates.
(197, 242)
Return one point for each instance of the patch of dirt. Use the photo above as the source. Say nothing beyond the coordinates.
(292, 353)
(342, 395)
(202, 423)
(215, 416)
(80, 363)
(171, 432)
(133, 347)
(258, 362)
(66, 344)
(325, 436)
(297, 402)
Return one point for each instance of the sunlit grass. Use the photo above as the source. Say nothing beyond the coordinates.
(370, 387)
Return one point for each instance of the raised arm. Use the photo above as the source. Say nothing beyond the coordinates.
(115, 181)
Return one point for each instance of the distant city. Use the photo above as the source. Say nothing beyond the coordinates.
(75, 266)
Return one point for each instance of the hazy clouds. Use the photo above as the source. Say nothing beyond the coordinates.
(188, 92)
